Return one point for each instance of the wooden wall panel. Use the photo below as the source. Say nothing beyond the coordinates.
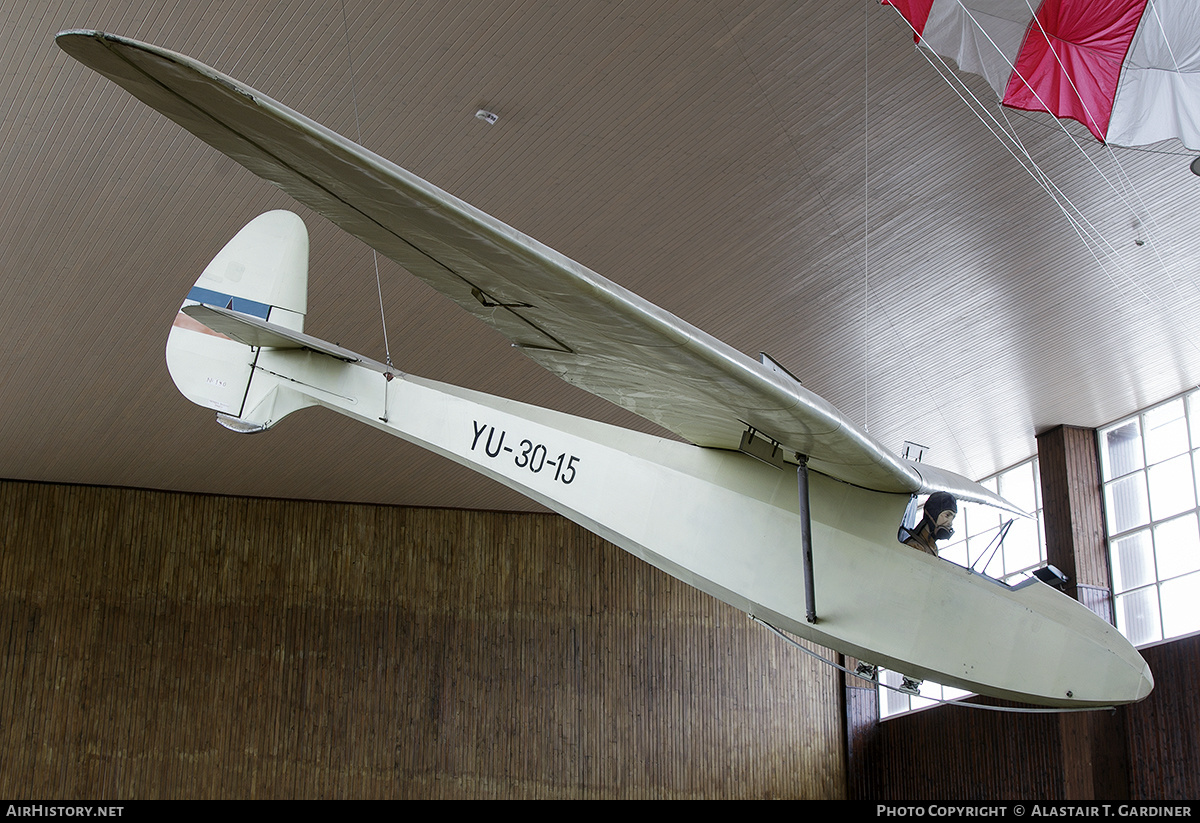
(948, 753)
(1095, 763)
(955, 753)
(168, 645)
(1073, 514)
(1164, 729)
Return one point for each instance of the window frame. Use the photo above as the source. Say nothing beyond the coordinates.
(1148, 478)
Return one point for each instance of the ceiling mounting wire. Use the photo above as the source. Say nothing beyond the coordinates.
(885, 317)
(1100, 248)
(842, 230)
(387, 351)
(866, 215)
(1121, 192)
(1126, 181)
(1035, 121)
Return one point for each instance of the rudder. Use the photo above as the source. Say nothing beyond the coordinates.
(261, 272)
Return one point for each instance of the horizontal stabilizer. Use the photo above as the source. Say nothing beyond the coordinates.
(251, 331)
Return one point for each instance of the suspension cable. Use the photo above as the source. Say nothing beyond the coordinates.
(387, 351)
(1094, 241)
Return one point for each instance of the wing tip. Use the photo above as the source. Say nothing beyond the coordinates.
(934, 479)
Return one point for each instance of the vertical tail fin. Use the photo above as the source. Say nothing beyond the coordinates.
(262, 272)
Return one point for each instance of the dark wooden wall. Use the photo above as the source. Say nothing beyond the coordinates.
(952, 753)
(955, 753)
(1164, 729)
(169, 645)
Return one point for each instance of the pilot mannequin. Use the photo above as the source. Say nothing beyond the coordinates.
(937, 523)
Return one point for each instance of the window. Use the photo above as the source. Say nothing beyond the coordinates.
(977, 527)
(975, 530)
(892, 703)
(1148, 465)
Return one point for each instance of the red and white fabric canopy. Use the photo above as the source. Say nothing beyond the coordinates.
(1129, 70)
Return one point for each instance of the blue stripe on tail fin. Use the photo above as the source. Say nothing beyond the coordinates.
(262, 272)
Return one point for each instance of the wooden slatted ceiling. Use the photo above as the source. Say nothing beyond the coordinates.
(708, 156)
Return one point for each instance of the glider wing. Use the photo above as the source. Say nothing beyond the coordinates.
(588, 330)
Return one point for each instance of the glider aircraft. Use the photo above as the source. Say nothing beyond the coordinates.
(776, 503)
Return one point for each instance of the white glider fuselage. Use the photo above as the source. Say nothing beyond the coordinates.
(728, 524)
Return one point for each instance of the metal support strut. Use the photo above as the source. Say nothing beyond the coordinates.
(810, 603)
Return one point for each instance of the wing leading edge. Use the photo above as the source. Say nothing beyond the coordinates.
(588, 330)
